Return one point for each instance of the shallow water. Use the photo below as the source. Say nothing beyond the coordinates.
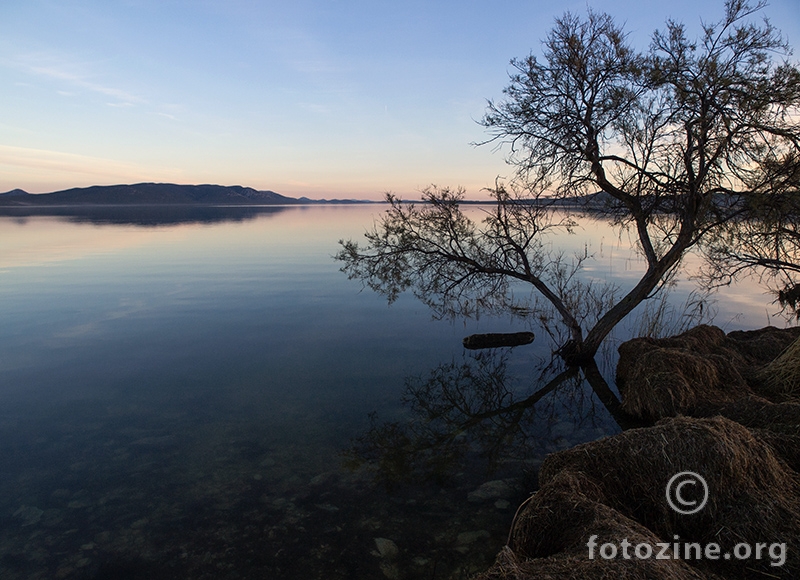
(177, 391)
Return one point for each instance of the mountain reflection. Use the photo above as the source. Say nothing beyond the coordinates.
(477, 410)
(147, 216)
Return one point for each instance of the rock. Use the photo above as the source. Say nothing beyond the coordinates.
(497, 489)
(502, 504)
(327, 507)
(327, 479)
(390, 570)
(156, 442)
(139, 524)
(387, 548)
(29, 515)
(420, 561)
(466, 538)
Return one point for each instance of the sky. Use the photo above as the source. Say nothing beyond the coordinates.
(322, 98)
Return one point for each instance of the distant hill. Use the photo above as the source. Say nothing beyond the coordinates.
(15, 193)
(152, 194)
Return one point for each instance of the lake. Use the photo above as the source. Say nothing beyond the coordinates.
(203, 394)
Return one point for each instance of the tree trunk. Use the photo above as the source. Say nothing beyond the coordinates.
(581, 352)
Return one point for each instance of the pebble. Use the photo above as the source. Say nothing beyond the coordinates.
(465, 538)
(391, 571)
(29, 515)
(387, 548)
(491, 490)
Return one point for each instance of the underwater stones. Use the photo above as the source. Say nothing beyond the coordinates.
(327, 479)
(326, 507)
(467, 538)
(29, 515)
(388, 553)
(387, 548)
(562, 429)
(497, 489)
(502, 504)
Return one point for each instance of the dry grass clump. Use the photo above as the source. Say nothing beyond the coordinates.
(578, 567)
(777, 424)
(665, 377)
(704, 369)
(759, 347)
(701, 339)
(615, 488)
(698, 340)
(758, 413)
(549, 541)
(744, 440)
(665, 382)
(633, 468)
(782, 375)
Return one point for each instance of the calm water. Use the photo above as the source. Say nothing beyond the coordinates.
(178, 393)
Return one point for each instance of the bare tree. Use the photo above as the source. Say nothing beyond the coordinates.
(668, 143)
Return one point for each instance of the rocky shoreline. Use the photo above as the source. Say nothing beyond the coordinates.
(722, 406)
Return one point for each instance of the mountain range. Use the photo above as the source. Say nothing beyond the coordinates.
(155, 194)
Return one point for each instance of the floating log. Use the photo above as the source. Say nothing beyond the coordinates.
(497, 339)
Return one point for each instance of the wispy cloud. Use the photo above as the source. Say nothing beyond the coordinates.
(73, 73)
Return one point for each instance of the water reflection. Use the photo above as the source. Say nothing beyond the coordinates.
(172, 401)
(146, 216)
(481, 408)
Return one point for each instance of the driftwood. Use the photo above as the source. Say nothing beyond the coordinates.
(495, 339)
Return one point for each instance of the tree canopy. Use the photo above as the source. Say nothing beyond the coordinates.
(673, 142)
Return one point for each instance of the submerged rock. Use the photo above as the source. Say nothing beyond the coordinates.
(29, 515)
(497, 489)
(466, 538)
(387, 548)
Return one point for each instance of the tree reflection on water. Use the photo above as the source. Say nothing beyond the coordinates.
(477, 408)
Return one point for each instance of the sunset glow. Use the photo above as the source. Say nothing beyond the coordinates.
(322, 99)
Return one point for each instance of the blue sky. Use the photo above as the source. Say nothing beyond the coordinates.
(324, 98)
